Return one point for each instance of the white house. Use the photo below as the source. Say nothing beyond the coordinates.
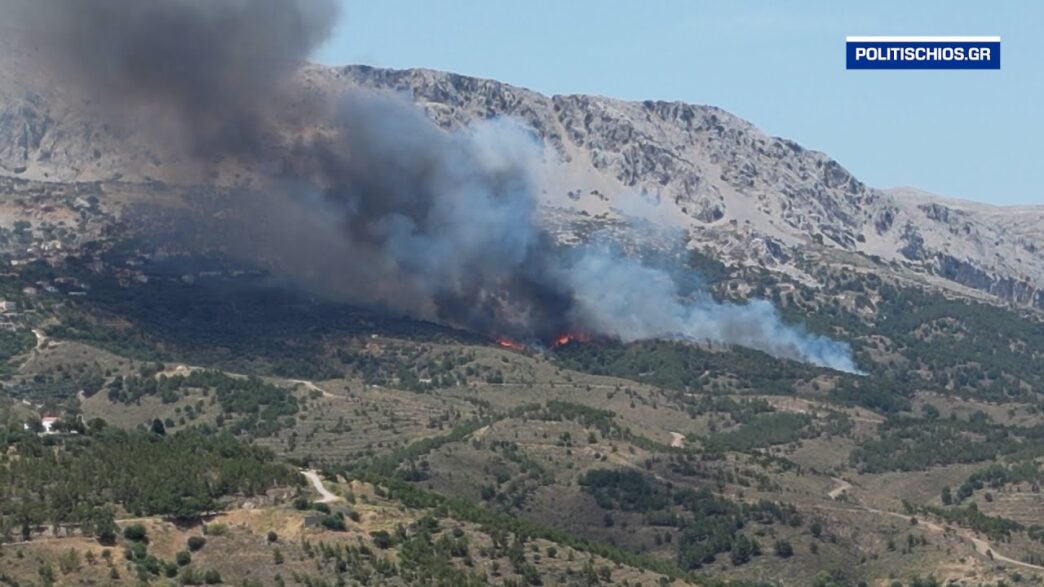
(48, 423)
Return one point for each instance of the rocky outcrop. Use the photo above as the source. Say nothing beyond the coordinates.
(745, 196)
(735, 186)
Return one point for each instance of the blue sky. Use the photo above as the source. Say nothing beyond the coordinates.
(967, 134)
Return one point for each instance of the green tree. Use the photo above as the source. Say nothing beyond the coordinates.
(742, 550)
(784, 549)
(104, 525)
(816, 527)
(135, 533)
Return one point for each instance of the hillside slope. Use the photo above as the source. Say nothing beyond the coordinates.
(740, 195)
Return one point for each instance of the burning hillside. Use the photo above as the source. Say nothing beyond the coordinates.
(372, 203)
(569, 338)
(507, 343)
(555, 342)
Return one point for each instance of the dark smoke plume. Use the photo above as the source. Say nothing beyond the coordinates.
(213, 65)
(438, 225)
(373, 203)
(382, 206)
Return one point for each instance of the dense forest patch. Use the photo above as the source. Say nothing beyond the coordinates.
(77, 479)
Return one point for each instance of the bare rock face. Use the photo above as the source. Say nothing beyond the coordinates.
(750, 198)
(745, 197)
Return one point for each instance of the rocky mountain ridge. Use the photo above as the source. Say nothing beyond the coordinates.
(736, 193)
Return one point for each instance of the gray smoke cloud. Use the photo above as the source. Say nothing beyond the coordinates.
(433, 224)
(215, 66)
(374, 204)
(621, 297)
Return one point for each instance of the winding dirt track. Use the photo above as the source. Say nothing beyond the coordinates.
(842, 487)
(41, 338)
(317, 484)
(981, 546)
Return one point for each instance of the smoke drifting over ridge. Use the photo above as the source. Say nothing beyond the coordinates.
(375, 204)
(214, 66)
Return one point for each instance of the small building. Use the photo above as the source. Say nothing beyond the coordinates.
(48, 423)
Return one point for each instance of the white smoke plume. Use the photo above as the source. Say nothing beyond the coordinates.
(620, 297)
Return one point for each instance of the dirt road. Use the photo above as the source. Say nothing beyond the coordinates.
(317, 484)
(41, 340)
(841, 487)
(311, 386)
(980, 545)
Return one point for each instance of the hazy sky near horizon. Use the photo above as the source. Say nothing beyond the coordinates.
(966, 134)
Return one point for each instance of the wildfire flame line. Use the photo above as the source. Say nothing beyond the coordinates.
(558, 341)
(510, 344)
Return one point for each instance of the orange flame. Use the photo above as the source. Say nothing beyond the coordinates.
(510, 344)
(569, 337)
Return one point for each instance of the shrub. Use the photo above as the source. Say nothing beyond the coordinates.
(190, 576)
(182, 558)
(196, 542)
(381, 539)
(333, 522)
(816, 527)
(211, 577)
(742, 550)
(137, 552)
(69, 561)
(215, 529)
(135, 532)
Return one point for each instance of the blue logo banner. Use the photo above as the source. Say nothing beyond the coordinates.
(923, 52)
